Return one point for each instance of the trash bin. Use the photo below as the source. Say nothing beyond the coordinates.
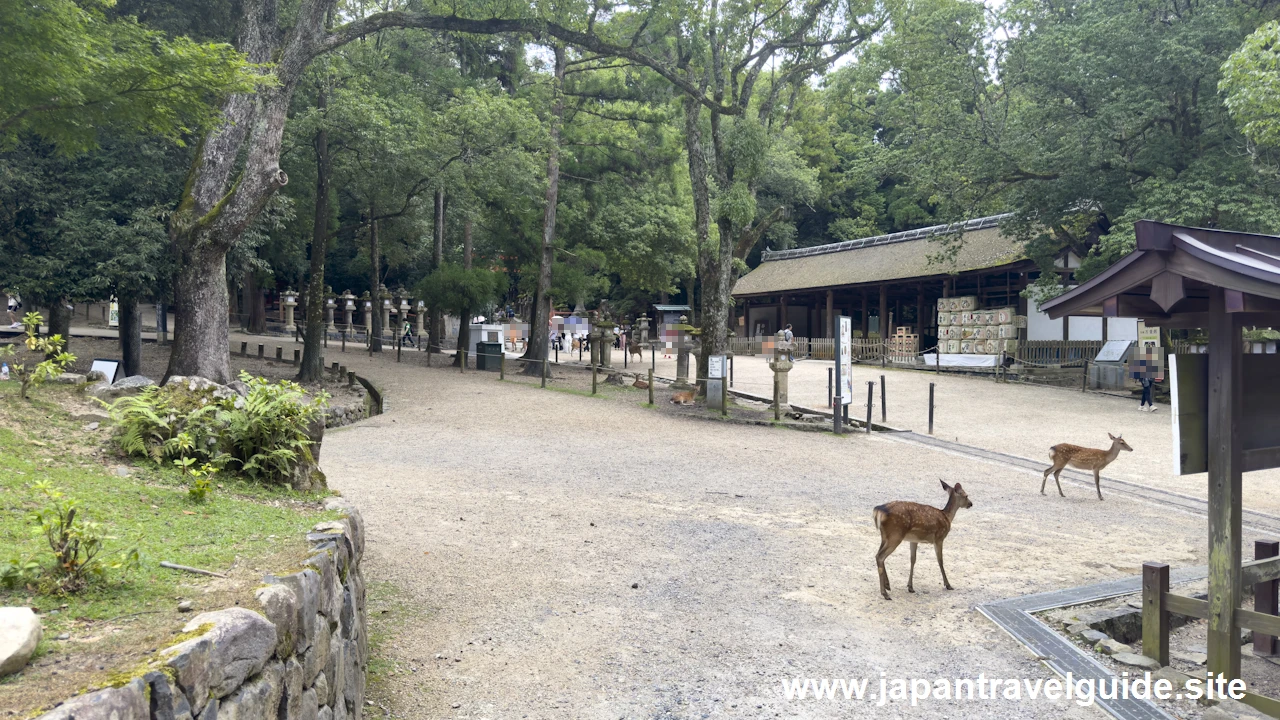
(488, 355)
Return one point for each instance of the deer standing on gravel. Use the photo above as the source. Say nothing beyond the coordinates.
(1082, 458)
(916, 523)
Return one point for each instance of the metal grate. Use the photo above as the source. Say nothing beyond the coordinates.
(917, 234)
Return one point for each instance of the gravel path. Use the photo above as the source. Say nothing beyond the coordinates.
(563, 556)
(1015, 418)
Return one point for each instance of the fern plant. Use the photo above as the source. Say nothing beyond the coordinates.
(262, 436)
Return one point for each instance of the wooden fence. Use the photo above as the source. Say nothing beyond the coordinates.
(1057, 352)
(864, 349)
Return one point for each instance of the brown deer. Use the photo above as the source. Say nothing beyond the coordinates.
(1083, 458)
(636, 349)
(682, 398)
(916, 523)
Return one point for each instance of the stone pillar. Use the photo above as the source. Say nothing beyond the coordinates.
(594, 336)
(606, 345)
(367, 303)
(330, 304)
(780, 365)
(422, 310)
(384, 299)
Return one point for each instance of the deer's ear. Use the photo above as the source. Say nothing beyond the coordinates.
(1113, 437)
(945, 486)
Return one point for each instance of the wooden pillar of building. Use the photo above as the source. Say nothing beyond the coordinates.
(883, 309)
(782, 312)
(1225, 467)
(829, 320)
(866, 315)
(921, 310)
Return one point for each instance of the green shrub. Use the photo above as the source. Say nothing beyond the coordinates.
(77, 548)
(262, 436)
(55, 360)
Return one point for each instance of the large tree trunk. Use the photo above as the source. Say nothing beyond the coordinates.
(312, 368)
(200, 338)
(60, 321)
(540, 323)
(375, 283)
(435, 318)
(130, 331)
(256, 298)
(714, 313)
(464, 328)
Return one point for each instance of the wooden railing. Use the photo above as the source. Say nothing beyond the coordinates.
(1263, 574)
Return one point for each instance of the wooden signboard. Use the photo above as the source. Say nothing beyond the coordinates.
(1259, 417)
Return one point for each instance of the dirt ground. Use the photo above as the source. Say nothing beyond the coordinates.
(545, 554)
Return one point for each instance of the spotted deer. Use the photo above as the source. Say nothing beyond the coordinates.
(916, 523)
(1082, 458)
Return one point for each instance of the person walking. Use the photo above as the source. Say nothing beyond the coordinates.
(406, 335)
(790, 338)
(13, 306)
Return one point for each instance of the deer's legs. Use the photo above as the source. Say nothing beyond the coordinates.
(1058, 482)
(1046, 478)
(1097, 483)
(938, 549)
(912, 573)
(887, 546)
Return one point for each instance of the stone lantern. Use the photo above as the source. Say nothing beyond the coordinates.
(385, 297)
(422, 310)
(367, 304)
(594, 336)
(290, 302)
(349, 306)
(781, 365)
(330, 304)
(607, 336)
(642, 324)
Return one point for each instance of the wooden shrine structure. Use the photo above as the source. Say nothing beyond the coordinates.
(1221, 282)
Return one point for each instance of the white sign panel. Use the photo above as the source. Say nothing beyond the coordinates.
(715, 367)
(1113, 351)
(846, 360)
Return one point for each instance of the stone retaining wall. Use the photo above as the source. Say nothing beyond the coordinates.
(339, 415)
(302, 655)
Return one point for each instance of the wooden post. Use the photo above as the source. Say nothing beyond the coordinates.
(1155, 616)
(502, 366)
(1224, 486)
(930, 408)
(335, 368)
(399, 343)
(883, 309)
(595, 374)
(544, 372)
(830, 372)
(244, 349)
(344, 341)
(831, 313)
(724, 397)
(297, 356)
(866, 315)
(730, 371)
(871, 399)
(1265, 599)
(1084, 377)
(884, 411)
(651, 387)
(279, 354)
(351, 378)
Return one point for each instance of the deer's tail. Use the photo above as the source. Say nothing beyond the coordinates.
(879, 514)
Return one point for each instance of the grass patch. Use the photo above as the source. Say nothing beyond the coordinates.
(243, 530)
